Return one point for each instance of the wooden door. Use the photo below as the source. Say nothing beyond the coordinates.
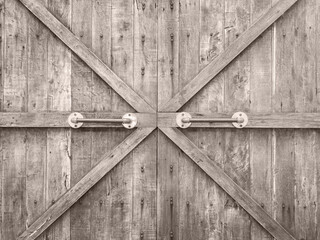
(155, 60)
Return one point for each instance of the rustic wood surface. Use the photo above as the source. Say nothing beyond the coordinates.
(151, 54)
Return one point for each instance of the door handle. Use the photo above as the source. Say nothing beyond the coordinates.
(76, 120)
(238, 120)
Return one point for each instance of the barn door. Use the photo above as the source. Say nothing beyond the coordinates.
(258, 181)
(78, 60)
(230, 85)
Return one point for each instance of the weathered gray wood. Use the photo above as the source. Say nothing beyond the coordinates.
(227, 56)
(87, 56)
(256, 120)
(59, 119)
(225, 182)
(106, 163)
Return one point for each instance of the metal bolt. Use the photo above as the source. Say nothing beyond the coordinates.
(143, 38)
(188, 203)
(188, 34)
(171, 36)
(121, 202)
(283, 206)
(141, 235)
(142, 201)
(142, 70)
(262, 205)
(171, 201)
(171, 71)
(171, 5)
(142, 169)
(171, 168)
(171, 234)
(211, 34)
(143, 6)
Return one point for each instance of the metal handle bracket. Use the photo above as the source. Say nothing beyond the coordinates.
(76, 120)
(238, 120)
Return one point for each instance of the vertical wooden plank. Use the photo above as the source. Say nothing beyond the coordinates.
(2, 52)
(260, 101)
(144, 156)
(14, 173)
(145, 50)
(16, 72)
(36, 145)
(283, 100)
(189, 175)
(167, 192)
(101, 45)
(81, 87)
(13, 140)
(168, 154)
(305, 101)
(122, 48)
(58, 140)
(237, 86)
(211, 99)
(168, 50)
(122, 64)
(102, 141)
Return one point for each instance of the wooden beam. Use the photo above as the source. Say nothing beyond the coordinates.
(59, 119)
(272, 120)
(226, 183)
(106, 163)
(62, 32)
(219, 63)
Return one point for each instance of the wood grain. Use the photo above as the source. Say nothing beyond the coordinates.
(87, 56)
(243, 41)
(224, 181)
(256, 120)
(106, 163)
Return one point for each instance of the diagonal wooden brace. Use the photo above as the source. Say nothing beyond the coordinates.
(95, 63)
(227, 184)
(106, 163)
(218, 64)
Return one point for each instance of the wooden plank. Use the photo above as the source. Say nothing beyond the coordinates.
(59, 119)
(189, 216)
(87, 56)
(81, 99)
(145, 50)
(168, 50)
(224, 181)
(144, 174)
(256, 120)
(211, 99)
(167, 184)
(260, 56)
(122, 52)
(58, 140)
(14, 188)
(2, 52)
(106, 163)
(14, 206)
(217, 65)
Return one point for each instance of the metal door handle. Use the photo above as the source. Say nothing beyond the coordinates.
(238, 120)
(76, 120)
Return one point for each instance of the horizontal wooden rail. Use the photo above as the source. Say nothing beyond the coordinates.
(95, 63)
(226, 57)
(273, 120)
(227, 184)
(106, 163)
(59, 119)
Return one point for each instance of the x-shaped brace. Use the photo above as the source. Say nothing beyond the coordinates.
(112, 158)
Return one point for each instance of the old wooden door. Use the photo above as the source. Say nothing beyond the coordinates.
(157, 60)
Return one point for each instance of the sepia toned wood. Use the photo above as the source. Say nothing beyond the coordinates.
(227, 56)
(144, 166)
(106, 163)
(256, 120)
(221, 178)
(59, 119)
(88, 56)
